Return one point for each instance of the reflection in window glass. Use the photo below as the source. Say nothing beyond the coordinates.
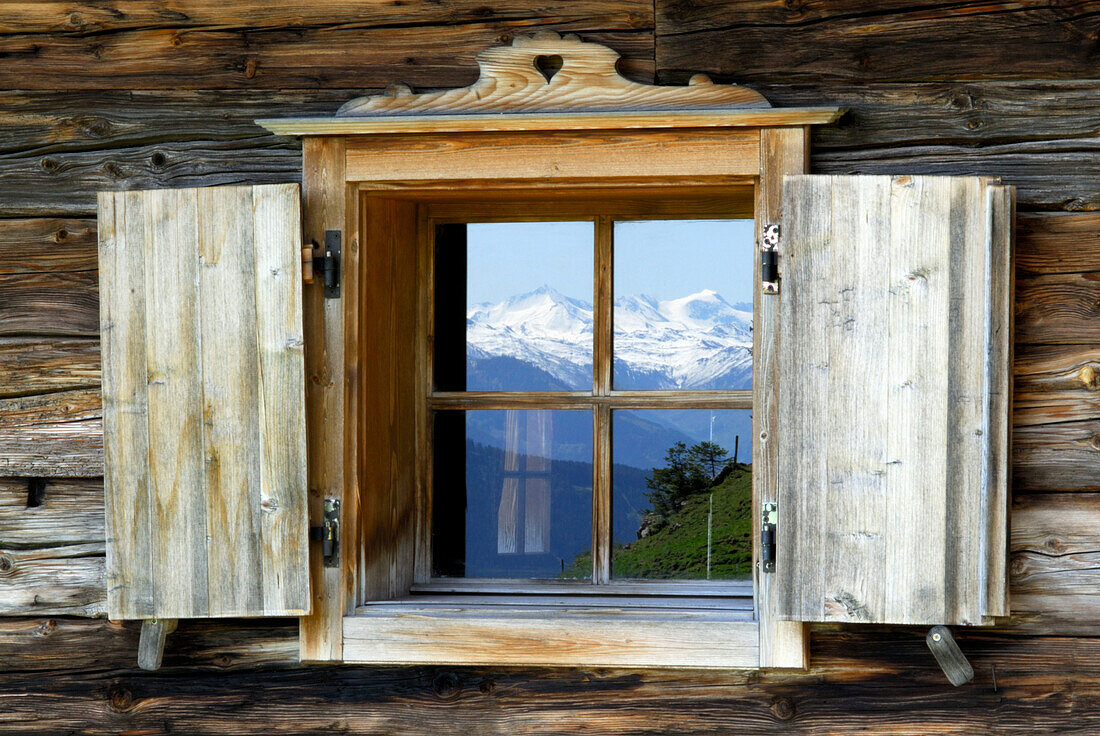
(682, 485)
(512, 494)
(683, 304)
(527, 304)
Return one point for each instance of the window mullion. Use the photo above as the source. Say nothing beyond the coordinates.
(603, 303)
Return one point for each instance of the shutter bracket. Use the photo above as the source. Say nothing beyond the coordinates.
(328, 534)
(767, 537)
(769, 258)
(325, 261)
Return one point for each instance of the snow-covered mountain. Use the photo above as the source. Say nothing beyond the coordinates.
(543, 340)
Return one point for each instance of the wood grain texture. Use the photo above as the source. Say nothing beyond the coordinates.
(543, 156)
(34, 365)
(782, 152)
(70, 512)
(546, 72)
(888, 289)
(71, 17)
(188, 412)
(227, 678)
(1055, 383)
(844, 41)
(226, 57)
(501, 636)
(324, 207)
(66, 580)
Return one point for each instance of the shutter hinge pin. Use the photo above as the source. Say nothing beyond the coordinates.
(767, 537)
(769, 258)
(325, 261)
(328, 534)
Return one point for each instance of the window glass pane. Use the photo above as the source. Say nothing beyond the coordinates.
(527, 306)
(682, 484)
(683, 304)
(512, 494)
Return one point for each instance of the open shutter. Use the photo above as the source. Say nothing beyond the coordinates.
(203, 402)
(894, 399)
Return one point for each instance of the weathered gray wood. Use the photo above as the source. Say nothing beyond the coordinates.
(32, 365)
(203, 410)
(64, 580)
(894, 376)
(154, 632)
(950, 657)
(70, 512)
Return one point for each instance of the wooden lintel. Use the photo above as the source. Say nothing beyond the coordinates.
(616, 120)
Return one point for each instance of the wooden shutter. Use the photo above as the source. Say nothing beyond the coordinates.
(894, 399)
(203, 402)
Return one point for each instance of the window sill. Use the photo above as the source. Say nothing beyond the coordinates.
(556, 631)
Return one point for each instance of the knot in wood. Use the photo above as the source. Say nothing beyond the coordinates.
(486, 686)
(783, 709)
(6, 564)
(120, 699)
(1090, 377)
(46, 628)
(447, 686)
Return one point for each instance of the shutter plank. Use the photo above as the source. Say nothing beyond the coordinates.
(204, 409)
(177, 482)
(125, 407)
(231, 400)
(893, 422)
(284, 517)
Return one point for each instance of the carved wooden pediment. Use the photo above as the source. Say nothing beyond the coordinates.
(548, 73)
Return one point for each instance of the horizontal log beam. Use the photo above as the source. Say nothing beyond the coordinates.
(847, 41)
(68, 511)
(341, 56)
(1042, 683)
(36, 365)
(59, 16)
(69, 580)
(1055, 383)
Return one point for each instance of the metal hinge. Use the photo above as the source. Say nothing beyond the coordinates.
(769, 258)
(767, 537)
(328, 534)
(325, 261)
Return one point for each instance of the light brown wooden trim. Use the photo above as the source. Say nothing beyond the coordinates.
(585, 79)
(324, 201)
(569, 191)
(776, 117)
(782, 151)
(718, 202)
(494, 636)
(552, 155)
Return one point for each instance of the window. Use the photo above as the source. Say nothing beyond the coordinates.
(592, 428)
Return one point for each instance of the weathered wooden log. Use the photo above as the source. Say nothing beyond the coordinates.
(53, 408)
(35, 365)
(53, 450)
(848, 41)
(344, 55)
(64, 17)
(69, 580)
(1042, 683)
(1055, 457)
(47, 244)
(1059, 308)
(1055, 383)
(1058, 243)
(68, 511)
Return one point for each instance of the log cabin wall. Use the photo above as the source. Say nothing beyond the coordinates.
(139, 93)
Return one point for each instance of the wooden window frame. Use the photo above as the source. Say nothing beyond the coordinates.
(375, 188)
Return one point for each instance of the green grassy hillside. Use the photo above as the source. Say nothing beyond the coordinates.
(679, 549)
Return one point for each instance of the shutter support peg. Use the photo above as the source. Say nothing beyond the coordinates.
(325, 261)
(328, 534)
(949, 656)
(769, 258)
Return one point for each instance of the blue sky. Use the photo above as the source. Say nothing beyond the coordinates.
(663, 258)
